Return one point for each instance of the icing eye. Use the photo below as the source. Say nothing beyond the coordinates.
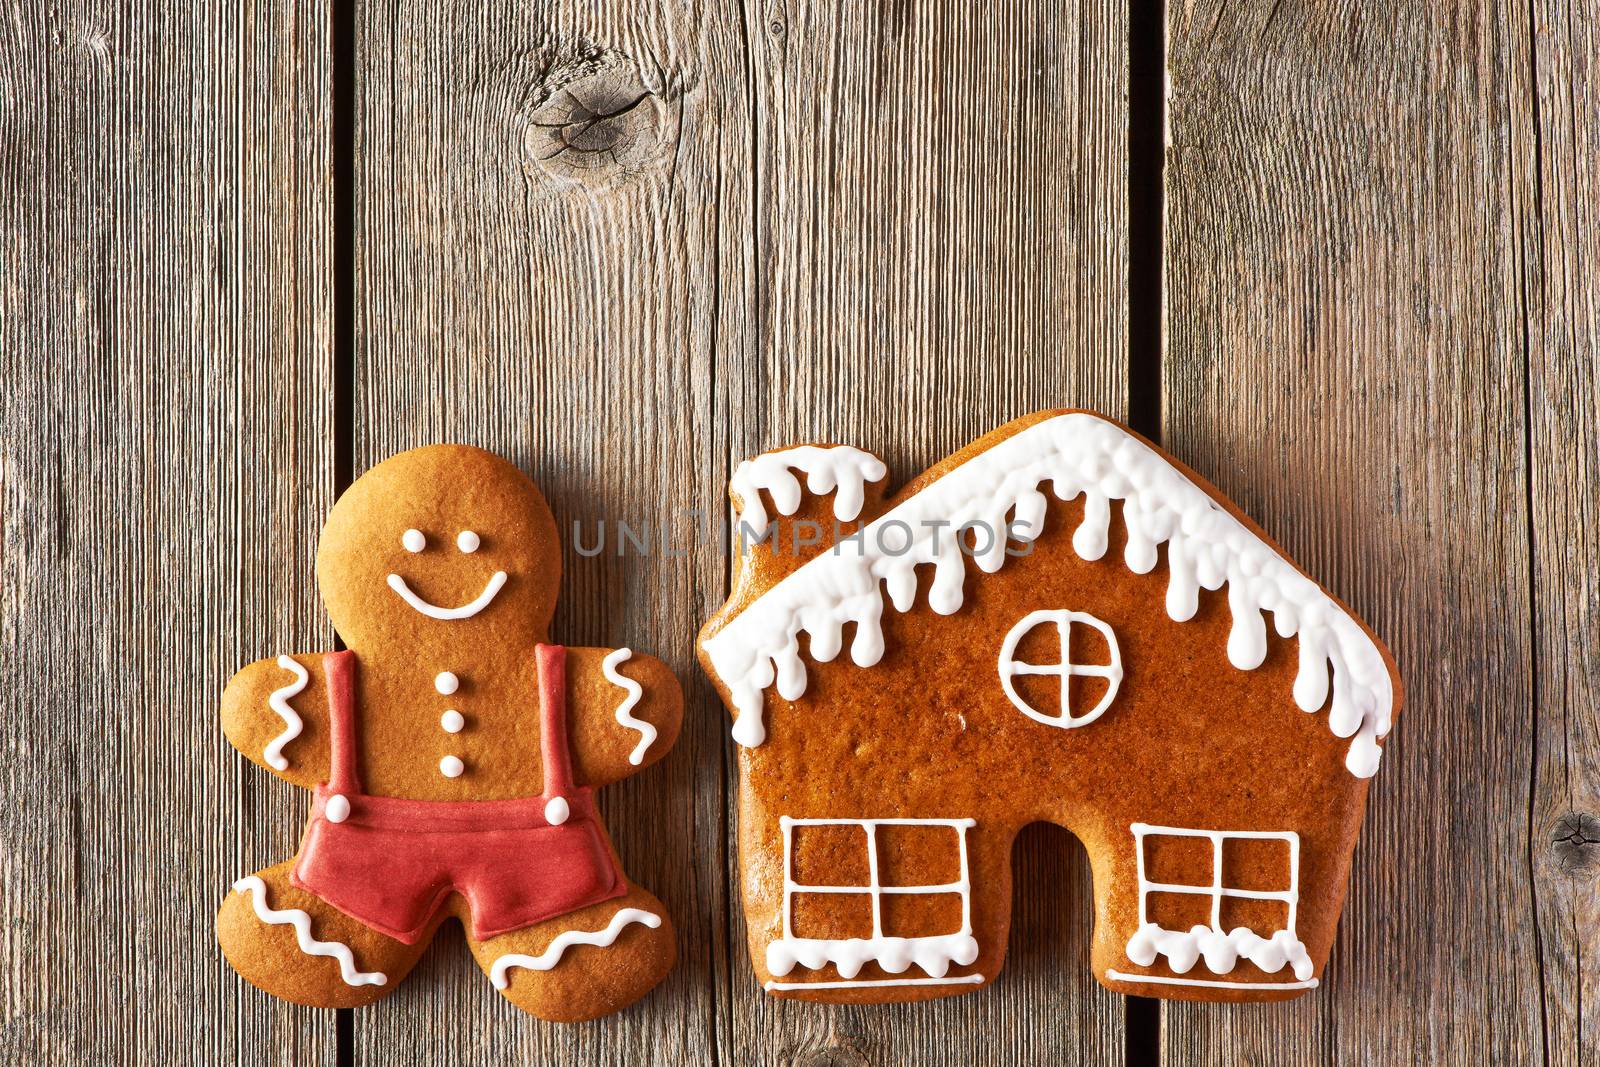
(467, 541)
(413, 541)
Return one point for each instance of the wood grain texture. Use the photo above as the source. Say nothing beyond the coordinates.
(941, 246)
(629, 328)
(166, 463)
(1561, 253)
(561, 306)
(1345, 358)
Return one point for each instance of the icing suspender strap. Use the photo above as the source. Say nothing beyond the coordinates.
(553, 720)
(340, 668)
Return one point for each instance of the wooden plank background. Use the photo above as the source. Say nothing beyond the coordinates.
(891, 225)
(1356, 224)
(167, 461)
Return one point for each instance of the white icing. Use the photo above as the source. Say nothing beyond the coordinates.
(864, 983)
(1080, 454)
(647, 732)
(557, 811)
(1066, 669)
(433, 611)
(467, 541)
(1161, 979)
(452, 767)
(1220, 949)
(452, 721)
(934, 954)
(446, 683)
(278, 701)
(841, 470)
(302, 931)
(552, 955)
(338, 808)
(894, 954)
(413, 540)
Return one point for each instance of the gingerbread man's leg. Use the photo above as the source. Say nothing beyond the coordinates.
(296, 946)
(585, 964)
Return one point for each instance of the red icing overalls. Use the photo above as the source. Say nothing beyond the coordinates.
(390, 862)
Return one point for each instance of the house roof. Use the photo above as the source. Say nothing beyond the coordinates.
(1080, 453)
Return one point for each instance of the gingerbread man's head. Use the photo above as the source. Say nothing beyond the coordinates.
(423, 545)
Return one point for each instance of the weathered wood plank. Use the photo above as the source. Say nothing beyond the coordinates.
(493, 299)
(1345, 359)
(1561, 247)
(561, 306)
(166, 465)
(941, 234)
(283, 299)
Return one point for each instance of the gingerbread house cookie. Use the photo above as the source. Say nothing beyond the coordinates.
(1058, 623)
(453, 754)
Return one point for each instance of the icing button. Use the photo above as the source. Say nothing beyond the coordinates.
(452, 722)
(451, 767)
(446, 682)
(338, 808)
(556, 811)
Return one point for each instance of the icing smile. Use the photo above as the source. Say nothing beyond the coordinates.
(433, 611)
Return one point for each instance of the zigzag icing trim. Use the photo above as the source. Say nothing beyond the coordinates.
(278, 701)
(624, 712)
(302, 931)
(552, 955)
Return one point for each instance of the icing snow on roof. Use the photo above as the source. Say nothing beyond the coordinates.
(1080, 454)
(843, 468)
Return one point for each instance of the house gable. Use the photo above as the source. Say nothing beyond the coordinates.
(1000, 488)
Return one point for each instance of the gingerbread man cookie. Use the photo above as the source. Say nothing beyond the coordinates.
(454, 755)
(1058, 623)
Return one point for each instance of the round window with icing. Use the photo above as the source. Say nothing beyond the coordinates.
(1061, 667)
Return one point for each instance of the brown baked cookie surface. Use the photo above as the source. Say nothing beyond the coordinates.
(1058, 623)
(453, 753)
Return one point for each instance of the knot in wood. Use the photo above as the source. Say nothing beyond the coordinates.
(835, 1054)
(1576, 841)
(597, 121)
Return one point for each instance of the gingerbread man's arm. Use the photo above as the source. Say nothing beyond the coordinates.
(624, 711)
(275, 711)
